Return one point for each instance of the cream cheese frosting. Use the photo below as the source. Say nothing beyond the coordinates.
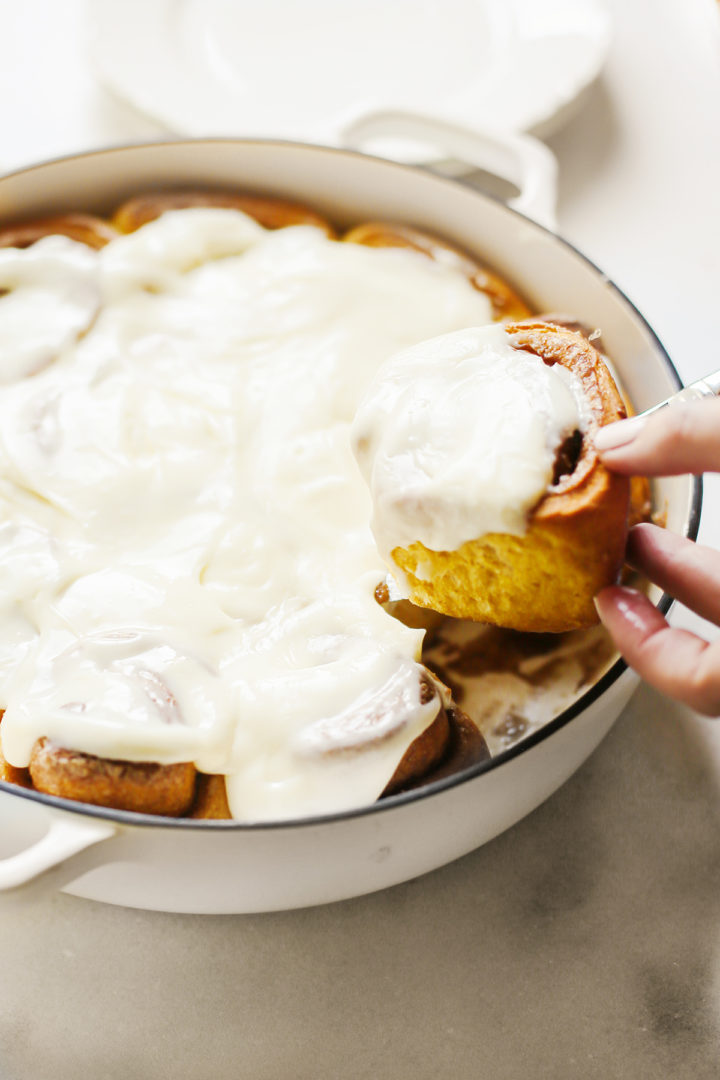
(457, 438)
(50, 296)
(186, 559)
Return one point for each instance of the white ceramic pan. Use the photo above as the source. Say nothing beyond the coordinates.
(196, 866)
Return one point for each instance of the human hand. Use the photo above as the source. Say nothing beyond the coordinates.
(679, 439)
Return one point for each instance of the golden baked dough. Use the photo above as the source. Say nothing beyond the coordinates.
(271, 213)
(210, 801)
(83, 228)
(546, 579)
(425, 752)
(121, 785)
(465, 747)
(505, 301)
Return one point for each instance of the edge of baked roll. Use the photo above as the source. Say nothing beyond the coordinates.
(450, 742)
(544, 580)
(506, 302)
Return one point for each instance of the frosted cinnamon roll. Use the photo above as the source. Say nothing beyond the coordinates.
(271, 213)
(176, 789)
(490, 502)
(506, 302)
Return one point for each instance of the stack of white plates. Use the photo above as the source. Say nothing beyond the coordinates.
(309, 70)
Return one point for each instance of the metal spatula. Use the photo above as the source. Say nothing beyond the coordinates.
(709, 386)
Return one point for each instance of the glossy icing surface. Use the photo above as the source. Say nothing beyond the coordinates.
(457, 438)
(187, 565)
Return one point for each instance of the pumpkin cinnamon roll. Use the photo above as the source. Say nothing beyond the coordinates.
(490, 502)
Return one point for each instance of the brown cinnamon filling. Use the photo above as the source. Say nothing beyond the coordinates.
(568, 456)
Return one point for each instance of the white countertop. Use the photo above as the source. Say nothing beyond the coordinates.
(582, 943)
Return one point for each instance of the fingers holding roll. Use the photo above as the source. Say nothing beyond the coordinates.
(689, 572)
(675, 661)
(683, 438)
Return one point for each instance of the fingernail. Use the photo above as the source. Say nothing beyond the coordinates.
(631, 605)
(618, 434)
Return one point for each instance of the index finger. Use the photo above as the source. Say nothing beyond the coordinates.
(682, 438)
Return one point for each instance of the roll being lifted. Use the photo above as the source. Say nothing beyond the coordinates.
(490, 502)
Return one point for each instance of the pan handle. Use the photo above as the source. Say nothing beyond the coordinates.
(64, 837)
(520, 159)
